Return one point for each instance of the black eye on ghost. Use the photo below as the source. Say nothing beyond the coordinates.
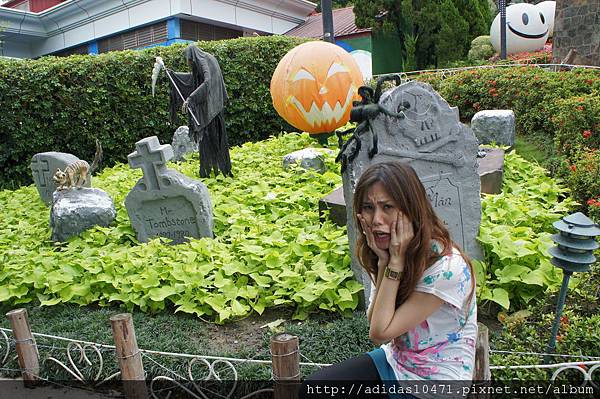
(525, 18)
(542, 18)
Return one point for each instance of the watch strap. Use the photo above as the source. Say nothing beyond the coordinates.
(392, 274)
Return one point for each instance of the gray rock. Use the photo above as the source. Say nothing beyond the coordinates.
(308, 158)
(165, 202)
(494, 126)
(75, 211)
(182, 143)
(43, 166)
(438, 146)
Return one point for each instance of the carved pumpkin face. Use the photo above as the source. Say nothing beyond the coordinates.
(314, 85)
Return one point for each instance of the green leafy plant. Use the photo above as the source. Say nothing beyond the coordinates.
(515, 233)
(270, 249)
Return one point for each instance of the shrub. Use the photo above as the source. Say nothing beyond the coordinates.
(63, 104)
(530, 92)
(481, 49)
(582, 174)
(576, 122)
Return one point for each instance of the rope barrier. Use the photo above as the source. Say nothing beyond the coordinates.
(145, 353)
(461, 69)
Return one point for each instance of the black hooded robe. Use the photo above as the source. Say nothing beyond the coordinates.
(206, 94)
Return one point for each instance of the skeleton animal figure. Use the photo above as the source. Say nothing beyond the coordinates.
(76, 173)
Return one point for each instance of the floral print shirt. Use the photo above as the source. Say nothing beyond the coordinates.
(443, 346)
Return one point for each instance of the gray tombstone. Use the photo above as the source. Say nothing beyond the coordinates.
(182, 143)
(74, 211)
(44, 165)
(494, 126)
(438, 146)
(165, 202)
(307, 158)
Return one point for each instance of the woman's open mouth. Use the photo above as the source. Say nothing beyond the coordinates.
(381, 236)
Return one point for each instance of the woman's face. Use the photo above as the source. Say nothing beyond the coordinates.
(380, 212)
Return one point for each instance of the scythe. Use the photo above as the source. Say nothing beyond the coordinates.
(158, 65)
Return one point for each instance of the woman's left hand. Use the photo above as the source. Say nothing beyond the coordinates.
(401, 234)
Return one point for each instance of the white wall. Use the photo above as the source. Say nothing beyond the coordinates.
(80, 21)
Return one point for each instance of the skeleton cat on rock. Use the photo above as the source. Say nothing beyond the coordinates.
(76, 174)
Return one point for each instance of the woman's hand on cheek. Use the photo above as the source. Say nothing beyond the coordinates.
(401, 234)
(382, 254)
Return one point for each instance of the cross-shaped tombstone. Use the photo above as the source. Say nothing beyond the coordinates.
(151, 157)
(164, 202)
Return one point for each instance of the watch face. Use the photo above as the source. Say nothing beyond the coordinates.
(394, 275)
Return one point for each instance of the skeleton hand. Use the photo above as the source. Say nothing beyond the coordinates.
(159, 61)
(184, 107)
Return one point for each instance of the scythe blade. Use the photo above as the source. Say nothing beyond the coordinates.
(158, 65)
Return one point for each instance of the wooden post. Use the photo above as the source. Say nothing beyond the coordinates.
(129, 357)
(27, 351)
(482, 373)
(285, 355)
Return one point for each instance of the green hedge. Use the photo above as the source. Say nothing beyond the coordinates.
(531, 92)
(63, 104)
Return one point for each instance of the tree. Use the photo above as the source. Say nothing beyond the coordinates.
(443, 29)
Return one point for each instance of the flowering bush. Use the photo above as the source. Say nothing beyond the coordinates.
(581, 172)
(531, 92)
(576, 123)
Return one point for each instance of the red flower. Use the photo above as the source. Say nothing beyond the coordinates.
(580, 107)
(573, 168)
(586, 134)
(589, 81)
(564, 319)
(559, 338)
(591, 201)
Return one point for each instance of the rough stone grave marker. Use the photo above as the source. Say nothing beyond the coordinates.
(438, 146)
(43, 165)
(165, 202)
(182, 144)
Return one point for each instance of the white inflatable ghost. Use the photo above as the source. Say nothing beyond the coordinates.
(549, 10)
(526, 29)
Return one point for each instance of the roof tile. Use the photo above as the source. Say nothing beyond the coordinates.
(343, 25)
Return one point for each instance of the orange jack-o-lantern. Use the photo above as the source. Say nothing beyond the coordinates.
(314, 85)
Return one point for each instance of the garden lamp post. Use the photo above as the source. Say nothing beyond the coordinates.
(573, 253)
(502, 7)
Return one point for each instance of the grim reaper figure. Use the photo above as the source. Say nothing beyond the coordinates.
(206, 95)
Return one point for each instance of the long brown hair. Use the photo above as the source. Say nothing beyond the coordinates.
(406, 190)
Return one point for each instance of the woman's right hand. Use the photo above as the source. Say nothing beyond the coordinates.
(383, 255)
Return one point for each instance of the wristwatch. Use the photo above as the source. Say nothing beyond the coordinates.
(392, 274)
